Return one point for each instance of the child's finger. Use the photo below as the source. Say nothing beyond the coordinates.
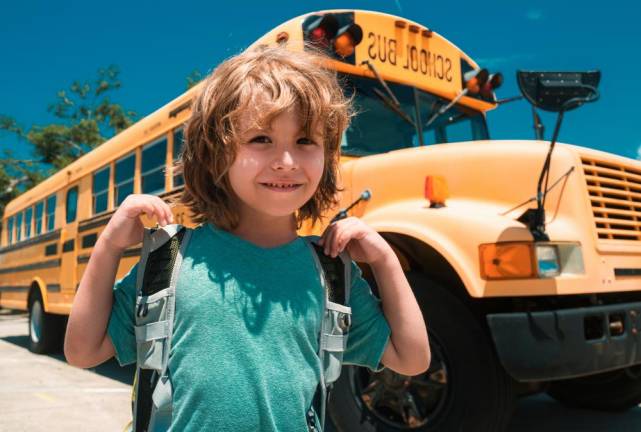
(157, 212)
(146, 208)
(332, 240)
(165, 210)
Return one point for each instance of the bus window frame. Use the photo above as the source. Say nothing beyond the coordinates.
(131, 179)
(39, 217)
(50, 216)
(28, 220)
(175, 158)
(19, 227)
(10, 225)
(95, 193)
(161, 167)
(75, 214)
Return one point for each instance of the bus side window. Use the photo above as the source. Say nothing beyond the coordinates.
(100, 193)
(152, 176)
(124, 178)
(10, 230)
(19, 227)
(178, 146)
(72, 204)
(51, 212)
(39, 208)
(28, 214)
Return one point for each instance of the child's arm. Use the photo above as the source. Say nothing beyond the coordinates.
(408, 352)
(86, 341)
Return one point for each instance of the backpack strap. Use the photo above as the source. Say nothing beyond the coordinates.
(160, 261)
(335, 277)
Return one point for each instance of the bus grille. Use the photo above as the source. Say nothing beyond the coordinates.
(615, 196)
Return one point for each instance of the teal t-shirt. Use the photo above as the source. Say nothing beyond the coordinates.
(244, 354)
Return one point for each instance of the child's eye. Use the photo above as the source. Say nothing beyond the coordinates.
(260, 139)
(305, 141)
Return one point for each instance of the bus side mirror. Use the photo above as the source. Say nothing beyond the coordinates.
(558, 91)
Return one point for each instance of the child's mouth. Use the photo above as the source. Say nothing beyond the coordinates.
(281, 187)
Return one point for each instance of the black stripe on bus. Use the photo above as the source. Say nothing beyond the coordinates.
(94, 222)
(53, 287)
(83, 259)
(174, 112)
(68, 246)
(42, 238)
(627, 271)
(8, 289)
(132, 252)
(40, 265)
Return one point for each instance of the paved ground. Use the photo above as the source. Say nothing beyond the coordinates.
(44, 393)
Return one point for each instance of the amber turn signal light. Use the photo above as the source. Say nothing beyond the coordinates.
(436, 191)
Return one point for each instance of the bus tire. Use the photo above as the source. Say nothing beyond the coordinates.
(46, 330)
(464, 389)
(618, 390)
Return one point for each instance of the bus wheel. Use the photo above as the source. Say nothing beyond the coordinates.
(611, 391)
(464, 389)
(46, 331)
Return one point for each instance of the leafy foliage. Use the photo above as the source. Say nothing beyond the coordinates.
(86, 118)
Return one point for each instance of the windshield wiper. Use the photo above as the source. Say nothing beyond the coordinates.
(444, 108)
(389, 99)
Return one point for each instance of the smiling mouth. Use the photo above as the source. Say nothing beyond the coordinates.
(282, 187)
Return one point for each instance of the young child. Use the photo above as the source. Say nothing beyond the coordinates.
(261, 156)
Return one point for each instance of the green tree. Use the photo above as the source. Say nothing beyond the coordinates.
(86, 117)
(194, 78)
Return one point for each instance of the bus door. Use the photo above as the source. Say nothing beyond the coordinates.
(69, 240)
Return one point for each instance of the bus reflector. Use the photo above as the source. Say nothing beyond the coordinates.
(511, 260)
(436, 191)
(319, 30)
(348, 37)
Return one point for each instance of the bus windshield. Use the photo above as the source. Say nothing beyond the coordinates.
(377, 128)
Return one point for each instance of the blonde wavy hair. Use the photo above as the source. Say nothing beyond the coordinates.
(285, 79)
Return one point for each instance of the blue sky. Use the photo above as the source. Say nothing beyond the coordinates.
(49, 44)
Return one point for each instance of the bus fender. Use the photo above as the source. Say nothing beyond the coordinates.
(440, 228)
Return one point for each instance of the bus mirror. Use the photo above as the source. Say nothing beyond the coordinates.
(558, 91)
(319, 30)
(475, 80)
(347, 38)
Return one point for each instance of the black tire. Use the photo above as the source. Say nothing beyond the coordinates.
(46, 330)
(465, 388)
(619, 390)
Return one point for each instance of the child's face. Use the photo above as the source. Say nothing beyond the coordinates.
(277, 168)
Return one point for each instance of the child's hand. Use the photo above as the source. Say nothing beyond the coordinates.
(362, 242)
(125, 228)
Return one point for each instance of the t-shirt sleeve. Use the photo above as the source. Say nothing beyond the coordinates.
(370, 332)
(121, 321)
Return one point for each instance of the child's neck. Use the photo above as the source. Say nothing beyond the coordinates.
(267, 232)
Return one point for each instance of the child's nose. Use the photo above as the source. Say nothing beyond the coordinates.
(285, 160)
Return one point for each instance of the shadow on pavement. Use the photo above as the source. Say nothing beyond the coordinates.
(109, 369)
(530, 414)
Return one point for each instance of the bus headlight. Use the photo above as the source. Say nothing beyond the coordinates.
(529, 260)
(547, 260)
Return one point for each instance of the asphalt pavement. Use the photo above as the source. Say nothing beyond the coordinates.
(44, 393)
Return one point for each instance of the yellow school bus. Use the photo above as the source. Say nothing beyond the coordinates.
(511, 308)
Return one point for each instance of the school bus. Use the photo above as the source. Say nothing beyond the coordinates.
(509, 313)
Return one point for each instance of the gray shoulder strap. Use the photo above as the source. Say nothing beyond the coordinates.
(334, 331)
(160, 329)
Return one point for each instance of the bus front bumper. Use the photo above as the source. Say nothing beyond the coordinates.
(566, 343)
